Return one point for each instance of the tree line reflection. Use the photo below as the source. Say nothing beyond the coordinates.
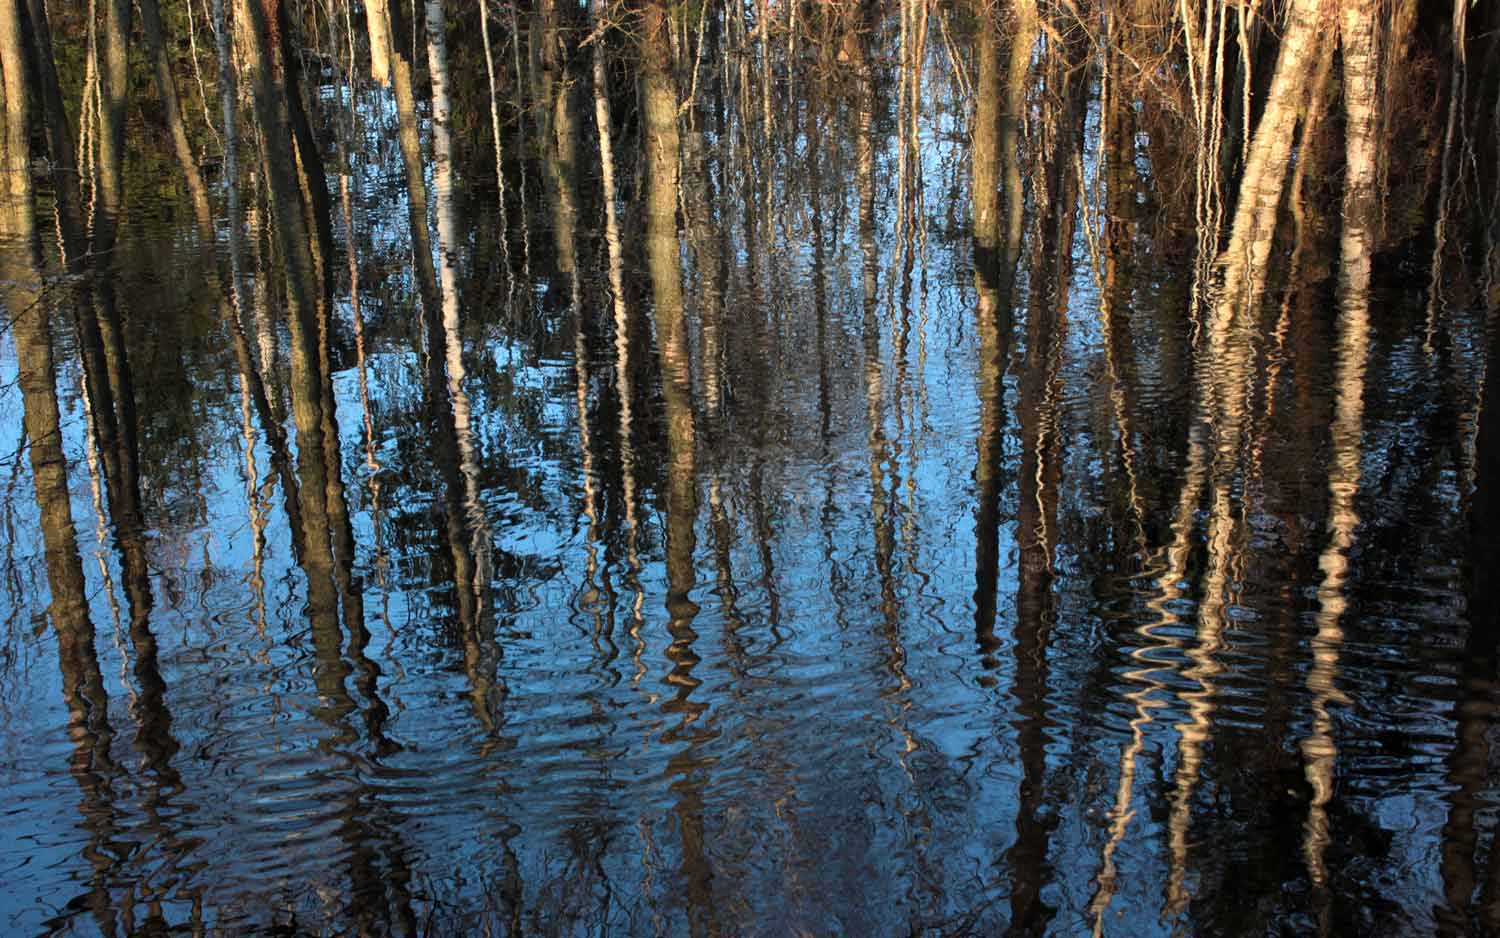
(1146, 212)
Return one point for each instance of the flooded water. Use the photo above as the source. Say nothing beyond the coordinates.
(817, 538)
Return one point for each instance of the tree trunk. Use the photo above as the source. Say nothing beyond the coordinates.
(317, 203)
(664, 259)
(378, 24)
(60, 146)
(15, 161)
(1244, 259)
(997, 220)
(448, 250)
(166, 88)
(269, 96)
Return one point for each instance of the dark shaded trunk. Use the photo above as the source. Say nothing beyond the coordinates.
(996, 216)
(61, 149)
(166, 89)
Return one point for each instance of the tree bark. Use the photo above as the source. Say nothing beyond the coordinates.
(1244, 259)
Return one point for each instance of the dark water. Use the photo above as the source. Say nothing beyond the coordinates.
(938, 623)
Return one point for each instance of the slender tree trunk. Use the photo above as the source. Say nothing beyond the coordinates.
(60, 145)
(166, 88)
(27, 319)
(621, 325)
(1357, 24)
(113, 384)
(663, 250)
(269, 96)
(664, 258)
(997, 219)
(15, 161)
(451, 325)
(489, 68)
(311, 177)
(1244, 259)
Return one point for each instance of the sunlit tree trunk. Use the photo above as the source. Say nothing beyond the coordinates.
(1357, 25)
(624, 385)
(434, 348)
(378, 26)
(28, 321)
(560, 153)
(489, 67)
(481, 652)
(664, 258)
(114, 87)
(15, 161)
(114, 386)
(1244, 259)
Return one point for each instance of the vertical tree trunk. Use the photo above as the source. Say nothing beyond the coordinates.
(378, 24)
(27, 318)
(1357, 24)
(60, 145)
(664, 259)
(15, 160)
(166, 88)
(1244, 259)
(489, 68)
(623, 385)
(112, 381)
(25, 314)
(311, 177)
(269, 96)
(451, 326)
(114, 85)
(997, 220)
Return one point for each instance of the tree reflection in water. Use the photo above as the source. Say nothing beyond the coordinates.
(758, 467)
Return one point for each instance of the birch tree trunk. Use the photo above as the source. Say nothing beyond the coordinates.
(15, 161)
(1244, 259)
(378, 25)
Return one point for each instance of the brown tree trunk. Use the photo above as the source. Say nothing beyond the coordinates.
(997, 219)
(664, 259)
(60, 146)
(269, 95)
(166, 88)
(26, 317)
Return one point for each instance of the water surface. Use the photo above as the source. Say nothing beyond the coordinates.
(815, 562)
